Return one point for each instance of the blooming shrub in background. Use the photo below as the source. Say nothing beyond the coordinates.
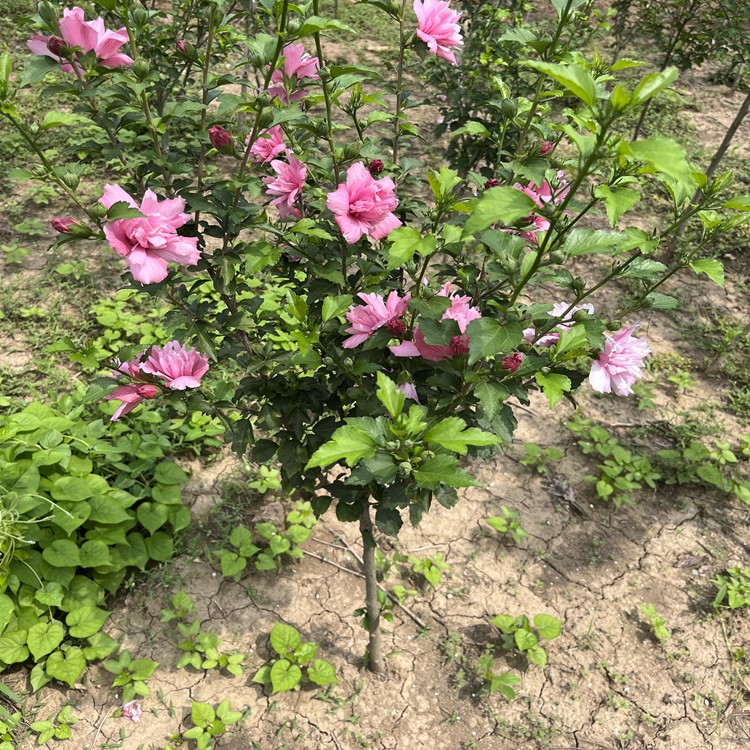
(329, 277)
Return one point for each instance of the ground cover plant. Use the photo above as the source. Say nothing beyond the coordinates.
(309, 277)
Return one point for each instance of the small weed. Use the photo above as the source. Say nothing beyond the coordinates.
(658, 624)
(508, 523)
(538, 458)
(285, 672)
(131, 675)
(734, 588)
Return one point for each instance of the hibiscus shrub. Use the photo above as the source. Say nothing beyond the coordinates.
(413, 304)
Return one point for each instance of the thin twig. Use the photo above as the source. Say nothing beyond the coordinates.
(427, 546)
(327, 544)
(406, 610)
(101, 724)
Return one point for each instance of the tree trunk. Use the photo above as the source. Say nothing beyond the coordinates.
(374, 648)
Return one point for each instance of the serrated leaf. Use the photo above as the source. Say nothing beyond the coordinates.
(575, 78)
(349, 443)
(335, 306)
(488, 338)
(618, 200)
(390, 395)
(443, 469)
(712, 267)
(499, 205)
(491, 396)
(452, 434)
(554, 386)
(405, 242)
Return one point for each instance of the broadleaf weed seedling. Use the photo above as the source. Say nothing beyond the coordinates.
(508, 522)
(734, 589)
(538, 458)
(210, 723)
(658, 624)
(286, 672)
(131, 675)
(55, 727)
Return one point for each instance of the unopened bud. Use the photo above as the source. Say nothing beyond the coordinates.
(404, 468)
(375, 167)
(63, 224)
(220, 137)
(512, 362)
(492, 182)
(34, 128)
(187, 51)
(140, 68)
(181, 45)
(545, 148)
(71, 180)
(558, 256)
(55, 45)
(614, 325)
(263, 100)
(460, 345)
(140, 16)
(147, 391)
(580, 315)
(397, 327)
(293, 25)
(579, 283)
(98, 210)
(509, 108)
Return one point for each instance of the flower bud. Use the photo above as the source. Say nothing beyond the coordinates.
(509, 108)
(614, 325)
(512, 362)
(545, 148)
(263, 100)
(98, 210)
(147, 391)
(140, 16)
(557, 256)
(63, 224)
(460, 345)
(181, 45)
(34, 128)
(140, 68)
(187, 51)
(55, 45)
(375, 167)
(71, 180)
(579, 283)
(492, 182)
(220, 137)
(293, 25)
(404, 468)
(397, 327)
(580, 315)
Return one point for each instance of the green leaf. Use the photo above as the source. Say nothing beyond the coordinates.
(316, 24)
(335, 306)
(231, 564)
(442, 468)
(66, 667)
(284, 639)
(618, 201)
(348, 442)
(202, 714)
(575, 78)
(62, 553)
(284, 676)
(452, 434)
(489, 337)
(491, 396)
(160, 547)
(537, 655)
(554, 386)
(321, 672)
(664, 155)
(390, 396)
(13, 647)
(55, 119)
(652, 83)
(502, 683)
(499, 205)
(547, 626)
(168, 472)
(405, 242)
(94, 553)
(389, 521)
(44, 637)
(84, 622)
(122, 210)
(524, 639)
(152, 516)
(712, 267)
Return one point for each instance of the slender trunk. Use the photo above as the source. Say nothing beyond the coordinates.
(717, 157)
(374, 647)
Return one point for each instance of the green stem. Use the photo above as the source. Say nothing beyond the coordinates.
(324, 76)
(204, 111)
(50, 169)
(399, 82)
